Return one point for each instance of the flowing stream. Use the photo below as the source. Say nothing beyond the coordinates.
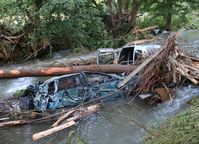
(117, 122)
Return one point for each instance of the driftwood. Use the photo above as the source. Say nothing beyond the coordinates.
(52, 130)
(62, 118)
(13, 123)
(69, 122)
(15, 73)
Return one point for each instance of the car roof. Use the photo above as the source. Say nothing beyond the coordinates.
(143, 47)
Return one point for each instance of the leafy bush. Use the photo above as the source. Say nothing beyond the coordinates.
(56, 23)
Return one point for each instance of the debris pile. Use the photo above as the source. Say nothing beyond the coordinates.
(186, 66)
(156, 70)
(169, 66)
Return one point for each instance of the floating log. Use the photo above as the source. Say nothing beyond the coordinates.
(13, 123)
(16, 73)
(52, 130)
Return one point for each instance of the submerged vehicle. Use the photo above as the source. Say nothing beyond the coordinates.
(66, 91)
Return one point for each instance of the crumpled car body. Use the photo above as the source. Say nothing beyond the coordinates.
(74, 89)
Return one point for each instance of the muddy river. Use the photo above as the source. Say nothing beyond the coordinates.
(119, 121)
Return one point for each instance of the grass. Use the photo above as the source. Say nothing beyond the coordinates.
(182, 129)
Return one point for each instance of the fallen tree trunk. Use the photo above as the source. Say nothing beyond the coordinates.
(16, 73)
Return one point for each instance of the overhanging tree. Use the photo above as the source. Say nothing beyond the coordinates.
(169, 8)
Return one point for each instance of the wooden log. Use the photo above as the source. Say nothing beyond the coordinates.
(52, 130)
(88, 111)
(16, 73)
(62, 118)
(13, 123)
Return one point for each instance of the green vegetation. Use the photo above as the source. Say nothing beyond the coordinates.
(182, 129)
(19, 93)
(32, 28)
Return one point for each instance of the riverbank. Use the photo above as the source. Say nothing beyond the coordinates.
(183, 128)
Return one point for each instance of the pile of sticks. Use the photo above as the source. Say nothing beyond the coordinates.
(169, 65)
(155, 70)
(186, 66)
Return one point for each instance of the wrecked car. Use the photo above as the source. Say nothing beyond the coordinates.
(69, 91)
(128, 54)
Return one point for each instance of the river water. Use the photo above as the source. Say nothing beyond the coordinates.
(117, 122)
